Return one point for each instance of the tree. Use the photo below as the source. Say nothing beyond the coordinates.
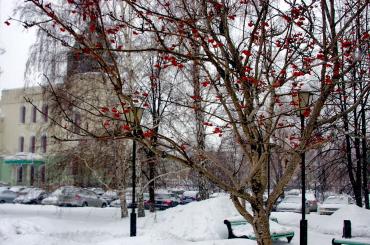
(255, 56)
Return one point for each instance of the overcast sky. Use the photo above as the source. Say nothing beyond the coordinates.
(16, 42)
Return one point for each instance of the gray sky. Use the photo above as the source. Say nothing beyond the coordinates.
(16, 42)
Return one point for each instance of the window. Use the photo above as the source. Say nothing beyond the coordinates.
(23, 114)
(43, 143)
(21, 144)
(19, 174)
(33, 144)
(34, 114)
(45, 112)
(32, 175)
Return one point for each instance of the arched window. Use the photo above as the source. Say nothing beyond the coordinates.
(43, 143)
(21, 144)
(32, 175)
(42, 174)
(34, 114)
(20, 174)
(23, 114)
(45, 112)
(33, 144)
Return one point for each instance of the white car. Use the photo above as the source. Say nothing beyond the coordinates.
(292, 204)
(333, 203)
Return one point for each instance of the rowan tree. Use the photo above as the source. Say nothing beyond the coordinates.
(255, 56)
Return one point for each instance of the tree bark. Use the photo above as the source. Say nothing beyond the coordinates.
(122, 198)
(261, 227)
(199, 119)
(140, 195)
(260, 220)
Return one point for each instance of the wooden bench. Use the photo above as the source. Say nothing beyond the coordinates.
(348, 242)
(274, 236)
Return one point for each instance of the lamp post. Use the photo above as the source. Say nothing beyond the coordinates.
(134, 118)
(303, 100)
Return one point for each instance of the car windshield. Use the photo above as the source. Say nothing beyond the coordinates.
(292, 199)
(64, 191)
(110, 194)
(336, 200)
(164, 196)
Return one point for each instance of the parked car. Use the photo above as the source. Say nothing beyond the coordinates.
(292, 204)
(312, 201)
(18, 189)
(333, 203)
(55, 197)
(189, 196)
(117, 203)
(7, 196)
(22, 193)
(74, 196)
(109, 196)
(34, 196)
(2, 188)
(3, 184)
(164, 201)
(77, 197)
(97, 190)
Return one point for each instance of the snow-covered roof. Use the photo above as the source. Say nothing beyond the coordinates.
(23, 158)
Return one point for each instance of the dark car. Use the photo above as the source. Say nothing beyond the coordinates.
(164, 201)
(189, 196)
(7, 196)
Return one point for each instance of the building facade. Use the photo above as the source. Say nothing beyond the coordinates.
(23, 136)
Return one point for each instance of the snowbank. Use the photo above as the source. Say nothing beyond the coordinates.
(14, 227)
(360, 221)
(196, 221)
(333, 224)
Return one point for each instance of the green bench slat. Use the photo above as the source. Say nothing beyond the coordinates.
(274, 236)
(349, 242)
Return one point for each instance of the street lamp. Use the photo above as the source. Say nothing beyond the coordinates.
(303, 100)
(133, 117)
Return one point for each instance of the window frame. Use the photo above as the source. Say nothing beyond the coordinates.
(34, 114)
(33, 144)
(21, 144)
(22, 118)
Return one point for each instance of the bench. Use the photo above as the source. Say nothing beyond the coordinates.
(234, 223)
(348, 242)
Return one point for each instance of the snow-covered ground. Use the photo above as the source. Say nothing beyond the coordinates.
(198, 223)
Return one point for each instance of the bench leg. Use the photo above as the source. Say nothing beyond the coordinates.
(289, 238)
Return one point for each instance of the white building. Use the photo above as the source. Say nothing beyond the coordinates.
(23, 136)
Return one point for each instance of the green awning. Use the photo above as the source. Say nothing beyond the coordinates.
(24, 161)
(24, 158)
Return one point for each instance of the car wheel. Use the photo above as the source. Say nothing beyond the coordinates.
(2, 201)
(104, 205)
(84, 204)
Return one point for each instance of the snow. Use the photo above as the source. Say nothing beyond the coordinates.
(192, 224)
(24, 156)
(332, 224)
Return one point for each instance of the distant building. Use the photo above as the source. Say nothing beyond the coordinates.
(24, 140)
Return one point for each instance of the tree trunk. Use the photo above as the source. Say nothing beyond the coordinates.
(140, 205)
(261, 227)
(122, 198)
(151, 185)
(358, 169)
(200, 131)
(140, 195)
